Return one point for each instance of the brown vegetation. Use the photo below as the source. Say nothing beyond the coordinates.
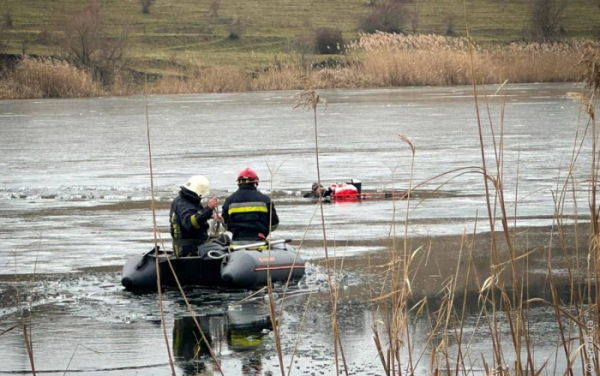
(48, 78)
(329, 40)
(503, 296)
(385, 60)
(374, 60)
(502, 292)
(546, 18)
(86, 44)
(146, 4)
(387, 17)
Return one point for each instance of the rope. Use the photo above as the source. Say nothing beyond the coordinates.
(216, 255)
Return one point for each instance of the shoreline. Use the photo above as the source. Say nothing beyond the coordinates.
(377, 60)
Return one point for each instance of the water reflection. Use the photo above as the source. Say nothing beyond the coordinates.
(241, 329)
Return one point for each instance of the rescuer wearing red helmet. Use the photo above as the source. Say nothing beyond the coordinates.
(248, 213)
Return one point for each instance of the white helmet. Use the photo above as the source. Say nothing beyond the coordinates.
(198, 184)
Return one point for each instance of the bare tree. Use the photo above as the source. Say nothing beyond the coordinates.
(546, 18)
(388, 17)
(414, 17)
(236, 29)
(303, 44)
(86, 43)
(8, 20)
(4, 38)
(329, 40)
(450, 25)
(146, 4)
(214, 7)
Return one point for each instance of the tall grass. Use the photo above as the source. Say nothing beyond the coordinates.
(48, 78)
(503, 294)
(398, 60)
(310, 100)
(373, 60)
(505, 298)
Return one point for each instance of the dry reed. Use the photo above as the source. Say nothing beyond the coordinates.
(398, 60)
(504, 293)
(426, 60)
(48, 78)
(373, 60)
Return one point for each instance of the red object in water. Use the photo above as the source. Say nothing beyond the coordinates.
(345, 192)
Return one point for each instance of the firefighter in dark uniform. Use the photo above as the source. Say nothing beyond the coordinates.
(188, 218)
(249, 214)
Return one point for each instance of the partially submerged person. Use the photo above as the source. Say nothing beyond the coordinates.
(249, 214)
(318, 190)
(345, 191)
(189, 219)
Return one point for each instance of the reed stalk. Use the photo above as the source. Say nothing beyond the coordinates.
(298, 337)
(28, 337)
(310, 100)
(159, 283)
(273, 312)
(505, 294)
(155, 232)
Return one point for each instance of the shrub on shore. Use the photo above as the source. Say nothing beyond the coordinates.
(329, 40)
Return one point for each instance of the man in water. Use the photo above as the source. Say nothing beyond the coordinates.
(249, 214)
(188, 218)
(318, 190)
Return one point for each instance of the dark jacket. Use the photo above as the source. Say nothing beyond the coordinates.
(324, 193)
(189, 222)
(248, 214)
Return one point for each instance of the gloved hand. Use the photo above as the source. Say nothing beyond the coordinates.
(212, 203)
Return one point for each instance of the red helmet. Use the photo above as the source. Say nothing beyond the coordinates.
(247, 176)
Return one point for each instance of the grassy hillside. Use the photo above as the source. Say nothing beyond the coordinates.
(185, 32)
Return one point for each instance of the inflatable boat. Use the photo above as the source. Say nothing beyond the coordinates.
(244, 266)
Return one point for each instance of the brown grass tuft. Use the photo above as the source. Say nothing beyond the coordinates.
(48, 78)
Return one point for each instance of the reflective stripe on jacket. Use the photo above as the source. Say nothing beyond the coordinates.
(248, 213)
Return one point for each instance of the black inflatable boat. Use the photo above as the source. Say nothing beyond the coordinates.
(240, 266)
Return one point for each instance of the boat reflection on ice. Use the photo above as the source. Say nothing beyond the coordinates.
(241, 329)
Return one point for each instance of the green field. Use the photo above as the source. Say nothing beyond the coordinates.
(185, 33)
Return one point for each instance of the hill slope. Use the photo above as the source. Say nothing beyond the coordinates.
(186, 32)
